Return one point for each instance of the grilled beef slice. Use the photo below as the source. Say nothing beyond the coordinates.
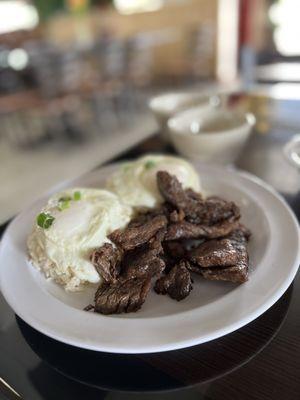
(238, 271)
(198, 211)
(106, 259)
(123, 296)
(214, 253)
(177, 283)
(141, 262)
(145, 260)
(172, 191)
(188, 230)
(134, 236)
(128, 292)
(213, 210)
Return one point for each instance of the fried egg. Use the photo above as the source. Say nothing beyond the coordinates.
(81, 220)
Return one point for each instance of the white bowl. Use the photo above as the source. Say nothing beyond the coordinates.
(167, 105)
(217, 136)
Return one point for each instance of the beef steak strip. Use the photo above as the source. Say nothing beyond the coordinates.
(212, 211)
(187, 230)
(122, 296)
(214, 253)
(135, 236)
(172, 191)
(141, 263)
(238, 272)
(106, 259)
(177, 283)
(197, 210)
(145, 260)
(128, 292)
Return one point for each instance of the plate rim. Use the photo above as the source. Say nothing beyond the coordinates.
(178, 344)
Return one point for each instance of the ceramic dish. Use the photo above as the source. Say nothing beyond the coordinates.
(216, 136)
(213, 309)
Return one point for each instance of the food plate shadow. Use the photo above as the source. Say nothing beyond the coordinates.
(165, 371)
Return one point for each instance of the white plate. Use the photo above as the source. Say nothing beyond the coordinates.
(213, 309)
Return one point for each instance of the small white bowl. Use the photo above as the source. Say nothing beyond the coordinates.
(169, 104)
(217, 136)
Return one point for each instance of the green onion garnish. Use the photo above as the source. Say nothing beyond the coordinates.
(64, 202)
(77, 196)
(62, 205)
(44, 220)
(149, 164)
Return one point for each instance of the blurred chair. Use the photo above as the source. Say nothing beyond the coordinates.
(79, 93)
(138, 72)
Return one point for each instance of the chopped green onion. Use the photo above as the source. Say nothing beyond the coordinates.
(44, 220)
(62, 205)
(64, 202)
(77, 196)
(150, 164)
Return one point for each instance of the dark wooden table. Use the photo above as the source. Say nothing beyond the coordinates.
(260, 361)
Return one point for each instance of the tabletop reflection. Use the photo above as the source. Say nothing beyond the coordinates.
(158, 371)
